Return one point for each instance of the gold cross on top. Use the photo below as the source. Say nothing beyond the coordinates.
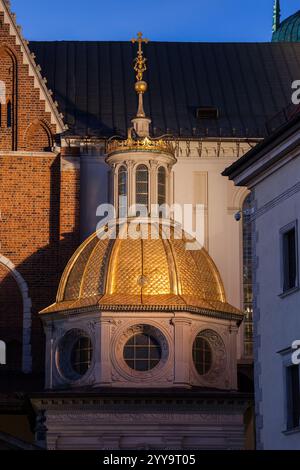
(140, 40)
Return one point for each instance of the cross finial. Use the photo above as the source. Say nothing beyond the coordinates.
(140, 40)
(140, 67)
(140, 62)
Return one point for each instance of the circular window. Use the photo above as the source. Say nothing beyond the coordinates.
(202, 355)
(75, 354)
(142, 352)
(81, 355)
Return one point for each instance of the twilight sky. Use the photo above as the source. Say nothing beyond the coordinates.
(160, 20)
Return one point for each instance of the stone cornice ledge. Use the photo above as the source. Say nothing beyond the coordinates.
(148, 308)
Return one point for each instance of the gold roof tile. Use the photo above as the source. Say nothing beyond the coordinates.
(140, 272)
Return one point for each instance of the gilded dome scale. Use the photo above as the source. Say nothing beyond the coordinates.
(154, 270)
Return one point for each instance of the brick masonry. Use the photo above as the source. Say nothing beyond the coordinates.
(39, 204)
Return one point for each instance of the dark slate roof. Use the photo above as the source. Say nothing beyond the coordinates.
(289, 29)
(93, 83)
(284, 132)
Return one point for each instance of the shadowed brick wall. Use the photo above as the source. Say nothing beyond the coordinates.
(39, 200)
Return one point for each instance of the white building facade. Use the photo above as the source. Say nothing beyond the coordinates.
(271, 171)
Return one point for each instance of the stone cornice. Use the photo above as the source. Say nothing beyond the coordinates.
(105, 399)
(23, 153)
(237, 317)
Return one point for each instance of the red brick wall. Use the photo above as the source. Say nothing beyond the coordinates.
(39, 200)
(31, 125)
(39, 230)
(70, 203)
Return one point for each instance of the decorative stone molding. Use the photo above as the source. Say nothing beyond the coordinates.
(121, 370)
(146, 144)
(218, 372)
(27, 304)
(213, 148)
(106, 403)
(159, 418)
(159, 428)
(236, 198)
(62, 370)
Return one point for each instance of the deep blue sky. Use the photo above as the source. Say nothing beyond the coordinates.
(160, 20)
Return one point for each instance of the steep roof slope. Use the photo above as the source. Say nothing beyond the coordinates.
(93, 83)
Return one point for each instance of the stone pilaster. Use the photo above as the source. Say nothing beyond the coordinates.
(182, 328)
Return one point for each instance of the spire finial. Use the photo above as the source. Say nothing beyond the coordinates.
(140, 67)
(276, 16)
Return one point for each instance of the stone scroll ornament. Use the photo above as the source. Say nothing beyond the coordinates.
(219, 355)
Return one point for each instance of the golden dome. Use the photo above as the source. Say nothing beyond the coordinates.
(148, 272)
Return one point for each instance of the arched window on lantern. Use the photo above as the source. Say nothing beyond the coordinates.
(161, 188)
(247, 276)
(122, 191)
(142, 186)
(2, 353)
(8, 114)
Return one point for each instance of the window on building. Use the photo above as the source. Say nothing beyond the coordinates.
(161, 187)
(247, 277)
(81, 355)
(2, 99)
(293, 397)
(74, 354)
(142, 352)
(142, 186)
(122, 191)
(207, 112)
(289, 257)
(9, 114)
(202, 355)
(2, 353)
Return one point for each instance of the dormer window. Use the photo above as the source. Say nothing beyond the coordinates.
(207, 112)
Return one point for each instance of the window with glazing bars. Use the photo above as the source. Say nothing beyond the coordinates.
(142, 352)
(122, 191)
(81, 356)
(247, 277)
(142, 186)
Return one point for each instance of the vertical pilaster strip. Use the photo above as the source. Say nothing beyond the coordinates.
(200, 182)
(182, 351)
(256, 332)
